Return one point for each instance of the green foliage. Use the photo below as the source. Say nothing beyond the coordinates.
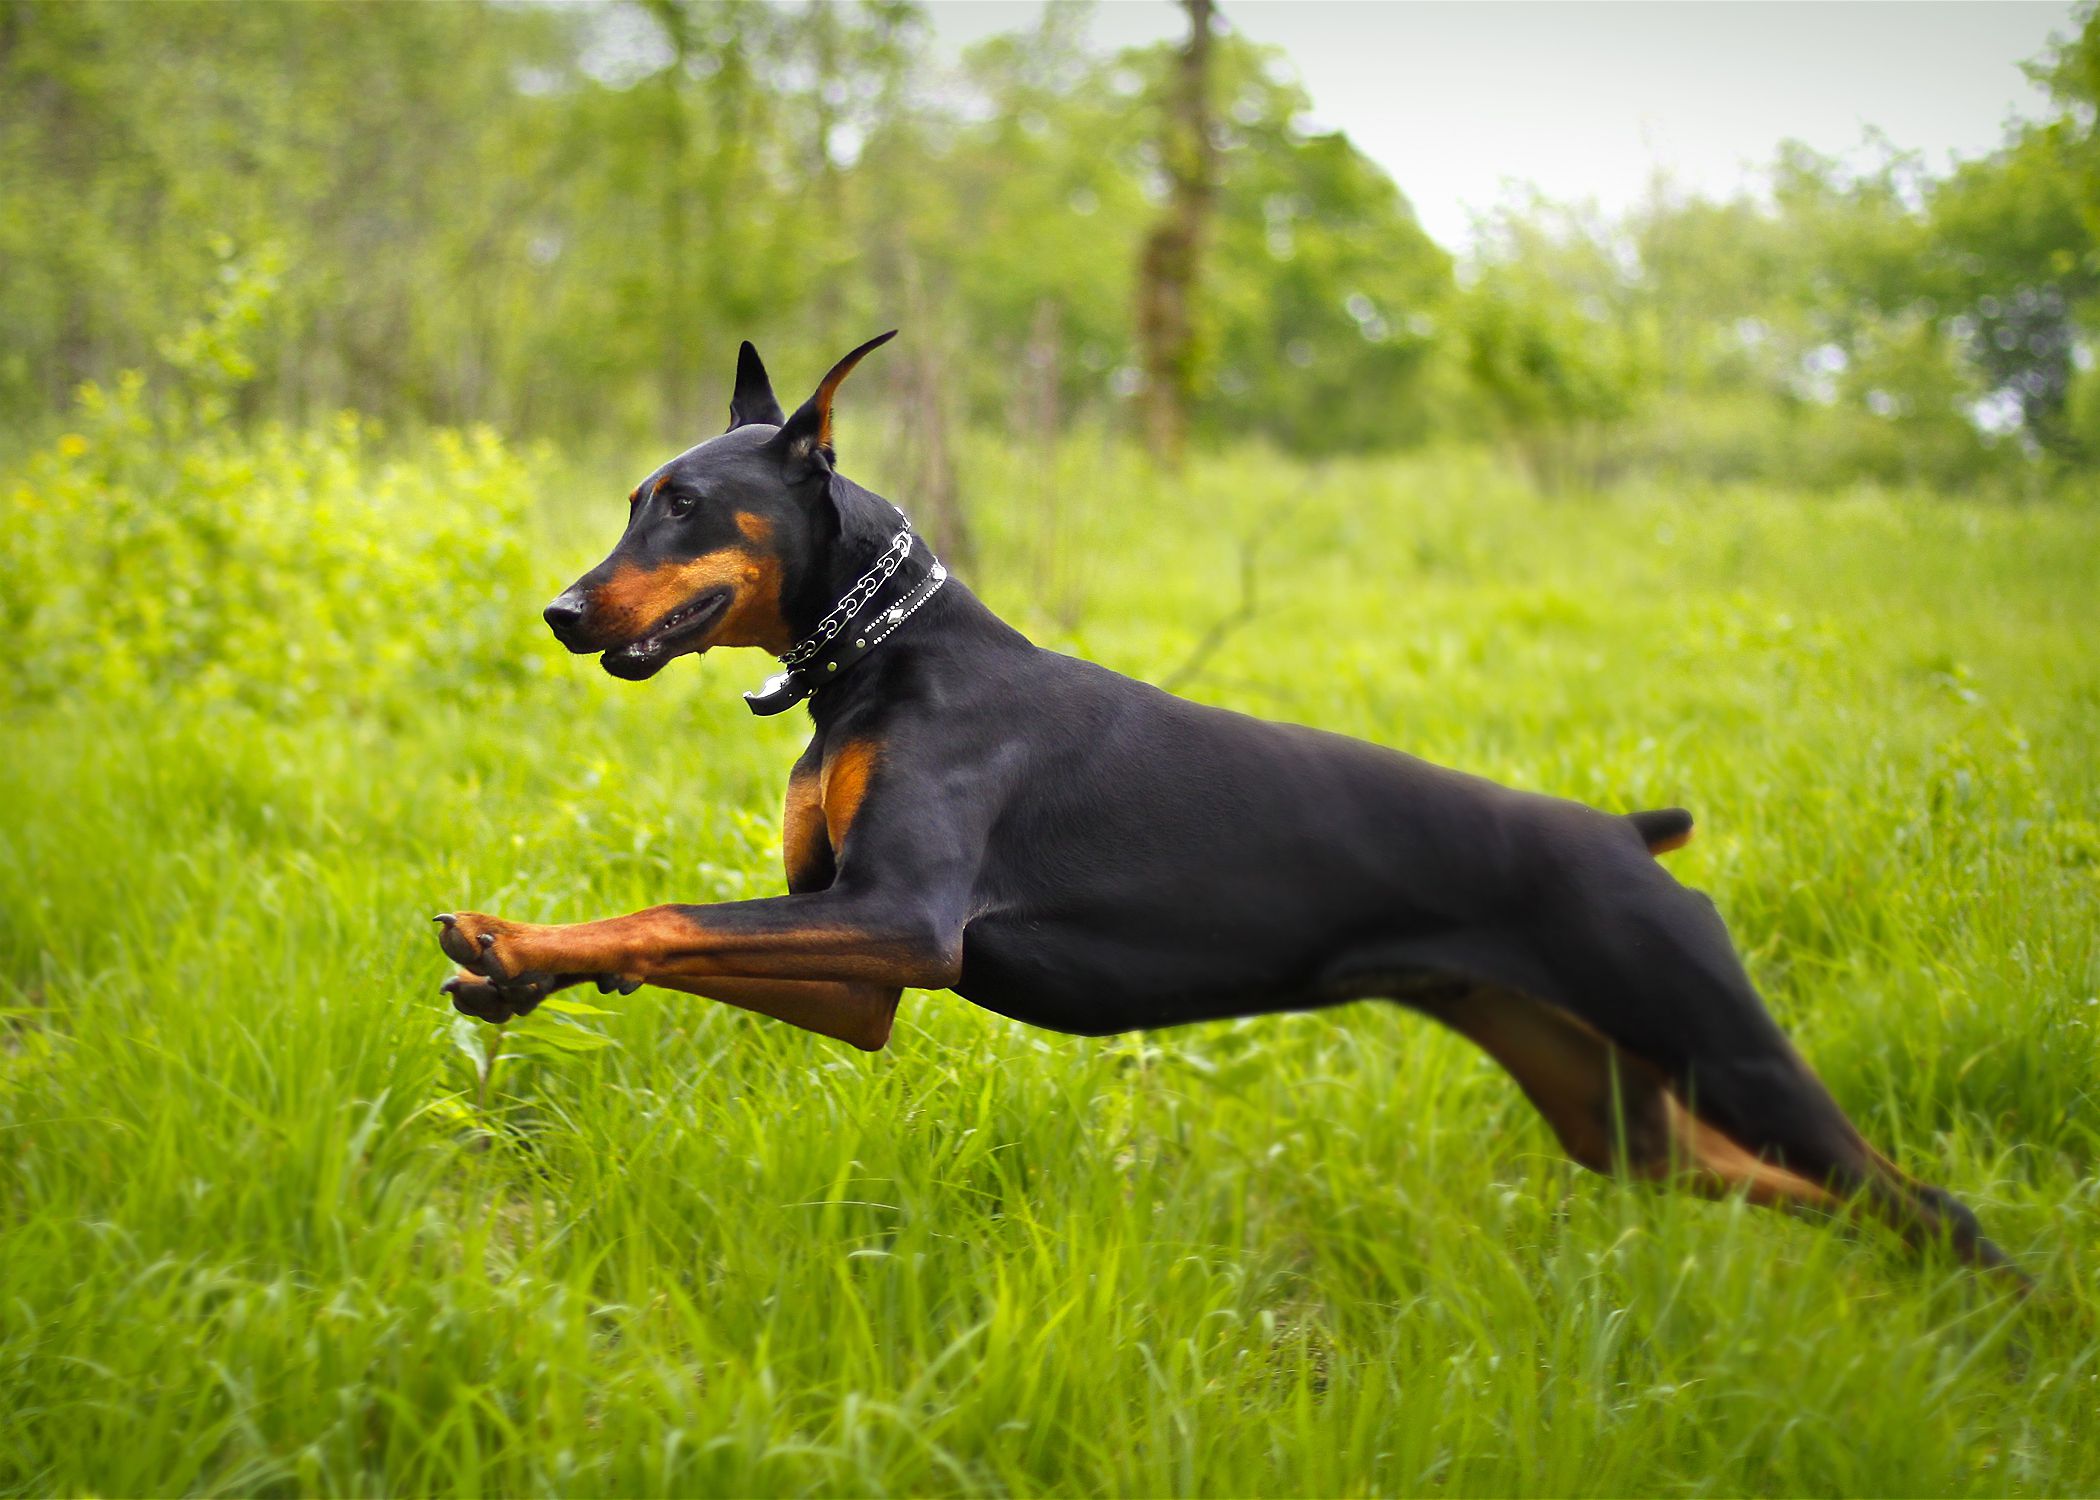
(175, 556)
(162, 555)
(1812, 338)
(383, 152)
(2018, 235)
(591, 203)
(276, 1222)
(553, 219)
(1556, 363)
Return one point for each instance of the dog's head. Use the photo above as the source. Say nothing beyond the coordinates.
(724, 543)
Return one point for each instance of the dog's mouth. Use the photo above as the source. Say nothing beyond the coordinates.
(676, 634)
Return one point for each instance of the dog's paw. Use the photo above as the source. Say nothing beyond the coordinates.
(491, 1000)
(477, 944)
(499, 978)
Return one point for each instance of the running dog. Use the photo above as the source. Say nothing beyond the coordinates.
(1087, 853)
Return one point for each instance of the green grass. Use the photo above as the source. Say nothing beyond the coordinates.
(273, 1221)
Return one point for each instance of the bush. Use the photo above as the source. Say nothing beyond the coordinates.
(157, 552)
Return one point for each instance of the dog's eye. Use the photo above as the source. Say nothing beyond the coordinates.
(679, 504)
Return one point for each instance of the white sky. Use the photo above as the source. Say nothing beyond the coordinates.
(1587, 99)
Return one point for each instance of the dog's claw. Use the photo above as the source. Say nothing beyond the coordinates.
(629, 986)
(444, 919)
(488, 940)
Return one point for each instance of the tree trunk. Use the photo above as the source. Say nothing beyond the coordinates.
(1170, 265)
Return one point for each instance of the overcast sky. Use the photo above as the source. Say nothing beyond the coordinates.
(1586, 100)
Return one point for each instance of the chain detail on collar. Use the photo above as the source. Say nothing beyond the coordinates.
(865, 616)
(855, 599)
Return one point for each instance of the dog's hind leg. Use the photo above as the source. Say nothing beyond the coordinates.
(1616, 1114)
(1612, 1112)
(1647, 966)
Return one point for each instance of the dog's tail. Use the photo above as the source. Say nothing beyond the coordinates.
(1662, 828)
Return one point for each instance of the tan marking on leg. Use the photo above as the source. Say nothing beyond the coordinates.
(805, 847)
(1674, 842)
(1612, 1111)
(1565, 1070)
(1721, 1166)
(681, 942)
(859, 1014)
(845, 786)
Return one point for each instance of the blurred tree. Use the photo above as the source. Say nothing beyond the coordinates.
(1327, 301)
(2017, 237)
(133, 137)
(1806, 334)
(1554, 338)
(1170, 266)
(560, 219)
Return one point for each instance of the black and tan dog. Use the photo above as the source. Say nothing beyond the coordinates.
(1087, 853)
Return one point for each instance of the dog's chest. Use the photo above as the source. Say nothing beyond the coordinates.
(824, 796)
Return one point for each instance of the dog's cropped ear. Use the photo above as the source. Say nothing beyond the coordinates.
(752, 400)
(806, 436)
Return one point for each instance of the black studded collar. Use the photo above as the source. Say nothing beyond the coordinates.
(904, 576)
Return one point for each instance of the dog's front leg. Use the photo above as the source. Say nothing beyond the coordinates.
(832, 934)
(861, 1014)
(830, 961)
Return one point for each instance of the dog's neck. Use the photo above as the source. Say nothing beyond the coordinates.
(866, 523)
(862, 597)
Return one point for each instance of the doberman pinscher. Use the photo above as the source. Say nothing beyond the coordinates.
(1085, 852)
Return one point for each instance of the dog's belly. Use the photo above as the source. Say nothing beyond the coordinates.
(1072, 976)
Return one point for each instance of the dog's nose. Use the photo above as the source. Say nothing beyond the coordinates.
(564, 615)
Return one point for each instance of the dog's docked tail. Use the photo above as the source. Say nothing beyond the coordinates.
(1663, 828)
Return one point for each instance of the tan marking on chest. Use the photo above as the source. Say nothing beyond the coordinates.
(845, 785)
(805, 847)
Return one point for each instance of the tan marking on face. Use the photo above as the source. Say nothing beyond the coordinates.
(634, 494)
(805, 847)
(757, 529)
(754, 617)
(660, 483)
(845, 786)
(634, 599)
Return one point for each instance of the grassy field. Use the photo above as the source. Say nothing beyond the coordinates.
(274, 1221)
